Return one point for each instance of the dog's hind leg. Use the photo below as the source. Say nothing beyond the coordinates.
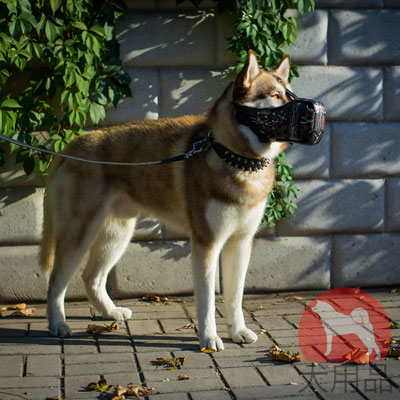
(111, 241)
(235, 260)
(71, 246)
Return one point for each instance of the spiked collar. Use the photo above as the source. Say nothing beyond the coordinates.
(238, 161)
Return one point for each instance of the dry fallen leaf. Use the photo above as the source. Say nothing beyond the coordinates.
(27, 312)
(394, 352)
(183, 377)
(160, 299)
(262, 331)
(207, 351)
(293, 383)
(134, 390)
(18, 307)
(170, 364)
(294, 298)
(187, 326)
(97, 329)
(358, 356)
(276, 353)
(393, 291)
(99, 386)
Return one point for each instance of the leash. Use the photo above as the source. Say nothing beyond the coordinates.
(198, 147)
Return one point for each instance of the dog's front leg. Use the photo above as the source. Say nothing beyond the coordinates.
(204, 263)
(235, 260)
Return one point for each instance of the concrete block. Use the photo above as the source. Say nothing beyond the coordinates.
(153, 267)
(242, 377)
(311, 162)
(349, 3)
(366, 260)
(311, 46)
(344, 91)
(186, 5)
(364, 37)
(225, 28)
(289, 263)
(21, 215)
(12, 174)
(165, 40)
(393, 205)
(362, 150)
(141, 4)
(23, 280)
(336, 206)
(392, 93)
(144, 101)
(391, 4)
(191, 91)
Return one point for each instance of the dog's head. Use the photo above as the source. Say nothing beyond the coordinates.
(261, 98)
(260, 89)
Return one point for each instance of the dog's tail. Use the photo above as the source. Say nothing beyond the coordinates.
(47, 247)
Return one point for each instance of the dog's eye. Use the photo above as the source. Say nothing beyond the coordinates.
(276, 96)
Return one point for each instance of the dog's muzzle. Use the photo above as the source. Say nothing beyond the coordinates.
(298, 121)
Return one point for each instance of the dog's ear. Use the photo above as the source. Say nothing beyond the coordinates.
(249, 72)
(283, 68)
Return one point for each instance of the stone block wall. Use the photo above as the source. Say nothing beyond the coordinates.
(347, 228)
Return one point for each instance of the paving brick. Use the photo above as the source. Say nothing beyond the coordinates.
(44, 365)
(362, 150)
(275, 323)
(242, 377)
(75, 386)
(11, 366)
(189, 385)
(192, 90)
(392, 93)
(20, 345)
(140, 328)
(29, 382)
(274, 392)
(115, 344)
(364, 37)
(160, 40)
(211, 395)
(311, 162)
(305, 261)
(21, 215)
(33, 393)
(337, 206)
(102, 368)
(154, 377)
(366, 260)
(80, 346)
(14, 330)
(311, 46)
(343, 91)
(280, 374)
(75, 359)
(144, 103)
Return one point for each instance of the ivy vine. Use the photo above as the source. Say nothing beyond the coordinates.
(59, 65)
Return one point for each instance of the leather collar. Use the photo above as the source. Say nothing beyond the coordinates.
(238, 161)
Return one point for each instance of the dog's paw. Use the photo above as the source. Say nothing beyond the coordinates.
(212, 342)
(243, 335)
(118, 314)
(61, 330)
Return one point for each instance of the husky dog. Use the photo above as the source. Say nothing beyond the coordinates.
(336, 323)
(217, 197)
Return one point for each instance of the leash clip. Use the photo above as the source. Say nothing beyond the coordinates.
(198, 146)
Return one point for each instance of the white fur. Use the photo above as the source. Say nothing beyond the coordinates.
(267, 150)
(233, 228)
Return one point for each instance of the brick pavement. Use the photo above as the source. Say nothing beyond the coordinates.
(34, 365)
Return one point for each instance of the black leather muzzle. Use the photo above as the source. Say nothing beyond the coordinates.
(298, 121)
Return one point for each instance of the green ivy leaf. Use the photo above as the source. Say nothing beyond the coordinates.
(55, 5)
(10, 103)
(51, 31)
